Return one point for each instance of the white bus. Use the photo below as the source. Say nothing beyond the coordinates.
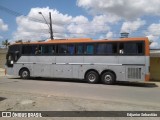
(108, 61)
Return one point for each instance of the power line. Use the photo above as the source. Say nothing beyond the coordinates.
(14, 13)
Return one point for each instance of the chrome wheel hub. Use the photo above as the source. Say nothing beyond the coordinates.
(92, 77)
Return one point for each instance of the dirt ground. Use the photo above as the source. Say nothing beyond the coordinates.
(38, 102)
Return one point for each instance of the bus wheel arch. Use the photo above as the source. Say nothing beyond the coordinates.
(108, 77)
(24, 73)
(92, 76)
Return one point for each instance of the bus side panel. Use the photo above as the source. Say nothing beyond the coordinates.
(67, 66)
(135, 67)
(42, 70)
(42, 65)
(101, 59)
(69, 59)
(135, 73)
(76, 71)
(63, 71)
(120, 72)
(9, 71)
(18, 66)
(147, 64)
(147, 69)
(132, 60)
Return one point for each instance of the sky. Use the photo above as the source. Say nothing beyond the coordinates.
(96, 19)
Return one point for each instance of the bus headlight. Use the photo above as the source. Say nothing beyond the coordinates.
(12, 62)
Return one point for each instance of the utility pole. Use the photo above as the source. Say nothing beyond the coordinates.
(49, 25)
(51, 31)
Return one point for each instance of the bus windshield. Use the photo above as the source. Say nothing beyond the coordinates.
(13, 55)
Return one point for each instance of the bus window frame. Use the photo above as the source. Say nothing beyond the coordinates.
(32, 54)
(76, 52)
(61, 54)
(128, 54)
(107, 54)
(56, 53)
(47, 54)
(85, 49)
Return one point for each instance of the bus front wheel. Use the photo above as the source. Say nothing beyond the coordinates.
(108, 78)
(24, 73)
(92, 77)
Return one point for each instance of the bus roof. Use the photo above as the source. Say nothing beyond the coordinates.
(83, 40)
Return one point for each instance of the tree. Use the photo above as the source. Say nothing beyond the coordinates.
(6, 43)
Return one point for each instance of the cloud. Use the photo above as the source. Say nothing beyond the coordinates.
(82, 27)
(127, 9)
(152, 37)
(3, 26)
(154, 45)
(153, 33)
(131, 26)
(103, 19)
(34, 27)
(154, 29)
(80, 20)
(109, 35)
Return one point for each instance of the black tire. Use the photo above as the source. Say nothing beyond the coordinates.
(108, 78)
(25, 74)
(92, 77)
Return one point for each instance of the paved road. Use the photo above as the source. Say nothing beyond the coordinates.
(135, 93)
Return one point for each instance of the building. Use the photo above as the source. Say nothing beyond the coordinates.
(155, 64)
(2, 57)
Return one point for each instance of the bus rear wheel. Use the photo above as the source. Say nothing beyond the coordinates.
(108, 78)
(24, 73)
(92, 77)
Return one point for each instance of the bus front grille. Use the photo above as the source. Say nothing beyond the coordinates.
(134, 73)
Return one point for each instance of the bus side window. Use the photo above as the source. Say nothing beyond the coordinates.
(71, 49)
(89, 49)
(45, 49)
(24, 50)
(53, 50)
(62, 49)
(140, 48)
(133, 48)
(106, 48)
(28, 50)
(80, 49)
(121, 48)
(38, 50)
